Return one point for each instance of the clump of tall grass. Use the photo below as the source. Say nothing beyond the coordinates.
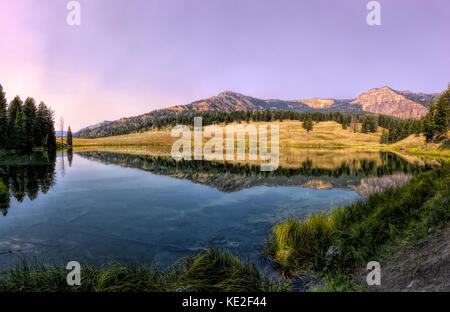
(301, 243)
(212, 270)
(365, 230)
(221, 271)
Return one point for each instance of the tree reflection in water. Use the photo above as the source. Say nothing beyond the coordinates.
(36, 175)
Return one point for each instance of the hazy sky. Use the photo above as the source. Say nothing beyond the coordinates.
(130, 57)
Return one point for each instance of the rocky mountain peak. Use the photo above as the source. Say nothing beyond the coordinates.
(387, 101)
(229, 93)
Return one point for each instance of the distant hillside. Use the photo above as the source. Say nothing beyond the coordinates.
(100, 124)
(386, 101)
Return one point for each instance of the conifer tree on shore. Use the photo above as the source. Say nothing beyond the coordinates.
(3, 119)
(23, 126)
(436, 123)
(69, 138)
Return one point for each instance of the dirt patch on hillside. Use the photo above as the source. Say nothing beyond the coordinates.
(425, 267)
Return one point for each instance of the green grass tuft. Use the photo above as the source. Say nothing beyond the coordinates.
(212, 270)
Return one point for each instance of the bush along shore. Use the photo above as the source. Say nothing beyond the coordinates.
(333, 247)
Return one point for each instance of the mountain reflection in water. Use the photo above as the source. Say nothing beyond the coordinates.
(365, 175)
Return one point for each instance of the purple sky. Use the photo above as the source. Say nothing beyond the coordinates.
(130, 57)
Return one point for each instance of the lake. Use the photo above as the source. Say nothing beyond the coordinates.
(100, 206)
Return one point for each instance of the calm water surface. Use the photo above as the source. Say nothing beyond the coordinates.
(114, 207)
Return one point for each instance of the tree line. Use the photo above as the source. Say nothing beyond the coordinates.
(25, 126)
(397, 129)
(437, 121)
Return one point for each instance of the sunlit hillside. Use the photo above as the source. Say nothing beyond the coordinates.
(324, 134)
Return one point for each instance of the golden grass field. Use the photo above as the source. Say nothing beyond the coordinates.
(324, 134)
(327, 134)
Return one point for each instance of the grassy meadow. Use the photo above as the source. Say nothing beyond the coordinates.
(324, 134)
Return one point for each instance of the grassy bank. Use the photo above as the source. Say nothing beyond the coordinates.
(212, 270)
(417, 145)
(364, 231)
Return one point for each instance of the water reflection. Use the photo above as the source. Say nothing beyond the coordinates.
(364, 175)
(70, 157)
(153, 208)
(25, 178)
(364, 172)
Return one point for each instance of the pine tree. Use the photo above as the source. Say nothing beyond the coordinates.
(354, 124)
(384, 137)
(3, 120)
(373, 124)
(47, 126)
(40, 127)
(28, 120)
(365, 125)
(442, 113)
(69, 138)
(429, 126)
(15, 134)
(369, 124)
(417, 127)
(346, 122)
(308, 124)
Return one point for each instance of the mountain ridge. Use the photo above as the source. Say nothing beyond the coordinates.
(97, 125)
(384, 100)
